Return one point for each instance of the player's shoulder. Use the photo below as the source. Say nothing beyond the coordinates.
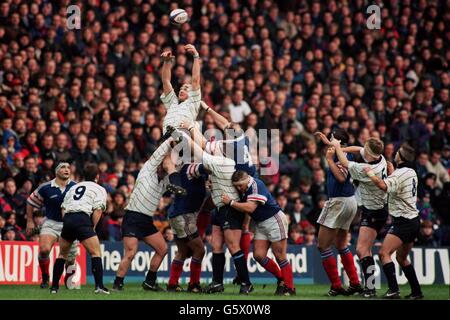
(44, 186)
(71, 183)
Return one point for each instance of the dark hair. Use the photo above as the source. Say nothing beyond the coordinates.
(90, 172)
(238, 176)
(340, 134)
(407, 153)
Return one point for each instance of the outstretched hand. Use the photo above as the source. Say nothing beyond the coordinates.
(191, 49)
(322, 137)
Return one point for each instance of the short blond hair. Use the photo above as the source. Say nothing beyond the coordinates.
(374, 146)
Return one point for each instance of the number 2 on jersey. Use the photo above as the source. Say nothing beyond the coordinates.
(79, 192)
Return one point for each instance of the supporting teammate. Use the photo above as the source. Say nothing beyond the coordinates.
(374, 209)
(50, 195)
(271, 227)
(335, 219)
(82, 209)
(183, 221)
(138, 220)
(401, 185)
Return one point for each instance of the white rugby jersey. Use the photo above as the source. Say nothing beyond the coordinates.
(402, 190)
(186, 111)
(221, 169)
(148, 189)
(86, 197)
(372, 197)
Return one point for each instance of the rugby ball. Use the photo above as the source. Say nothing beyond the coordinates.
(178, 17)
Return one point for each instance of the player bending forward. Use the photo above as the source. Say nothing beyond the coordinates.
(50, 195)
(271, 227)
(335, 219)
(401, 185)
(374, 209)
(82, 209)
(138, 220)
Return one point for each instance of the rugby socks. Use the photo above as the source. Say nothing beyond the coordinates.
(175, 178)
(349, 266)
(150, 278)
(246, 240)
(176, 269)
(330, 265)
(97, 271)
(58, 269)
(410, 274)
(218, 262)
(272, 267)
(240, 263)
(44, 265)
(389, 272)
(196, 269)
(286, 272)
(368, 267)
(118, 280)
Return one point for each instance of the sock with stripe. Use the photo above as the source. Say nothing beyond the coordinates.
(196, 269)
(330, 265)
(349, 266)
(286, 273)
(240, 264)
(218, 263)
(58, 269)
(44, 265)
(176, 269)
(97, 271)
(410, 274)
(272, 267)
(368, 267)
(246, 240)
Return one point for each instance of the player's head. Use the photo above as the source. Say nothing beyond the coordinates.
(406, 154)
(340, 134)
(239, 179)
(183, 94)
(373, 148)
(62, 170)
(91, 172)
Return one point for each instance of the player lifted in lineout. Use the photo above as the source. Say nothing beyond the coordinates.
(335, 219)
(271, 227)
(401, 185)
(82, 208)
(50, 195)
(137, 224)
(374, 208)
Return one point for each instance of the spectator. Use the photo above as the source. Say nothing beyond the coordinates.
(295, 234)
(16, 201)
(239, 108)
(309, 236)
(426, 236)
(434, 165)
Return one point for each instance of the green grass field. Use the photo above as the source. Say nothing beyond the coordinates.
(135, 292)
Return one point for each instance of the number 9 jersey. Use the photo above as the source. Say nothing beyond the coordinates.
(86, 197)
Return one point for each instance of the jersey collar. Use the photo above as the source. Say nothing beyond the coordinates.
(54, 185)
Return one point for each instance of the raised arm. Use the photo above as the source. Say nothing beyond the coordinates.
(375, 179)
(166, 72)
(352, 149)
(220, 120)
(339, 153)
(196, 66)
(196, 135)
(337, 173)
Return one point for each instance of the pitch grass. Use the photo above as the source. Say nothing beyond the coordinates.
(134, 291)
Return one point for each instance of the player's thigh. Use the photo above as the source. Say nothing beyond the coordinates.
(403, 252)
(92, 246)
(390, 244)
(326, 237)
(130, 246)
(157, 242)
(233, 239)
(64, 247)
(341, 237)
(46, 242)
(279, 249)
(217, 239)
(260, 249)
(197, 247)
(366, 239)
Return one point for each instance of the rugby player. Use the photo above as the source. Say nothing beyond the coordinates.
(82, 209)
(401, 186)
(374, 208)
(49, 196)
(138, 220)
(271, 227)
(335, 219)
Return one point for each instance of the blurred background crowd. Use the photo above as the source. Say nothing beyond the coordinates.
(92, 95)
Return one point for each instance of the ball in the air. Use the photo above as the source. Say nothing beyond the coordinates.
(178, 17)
